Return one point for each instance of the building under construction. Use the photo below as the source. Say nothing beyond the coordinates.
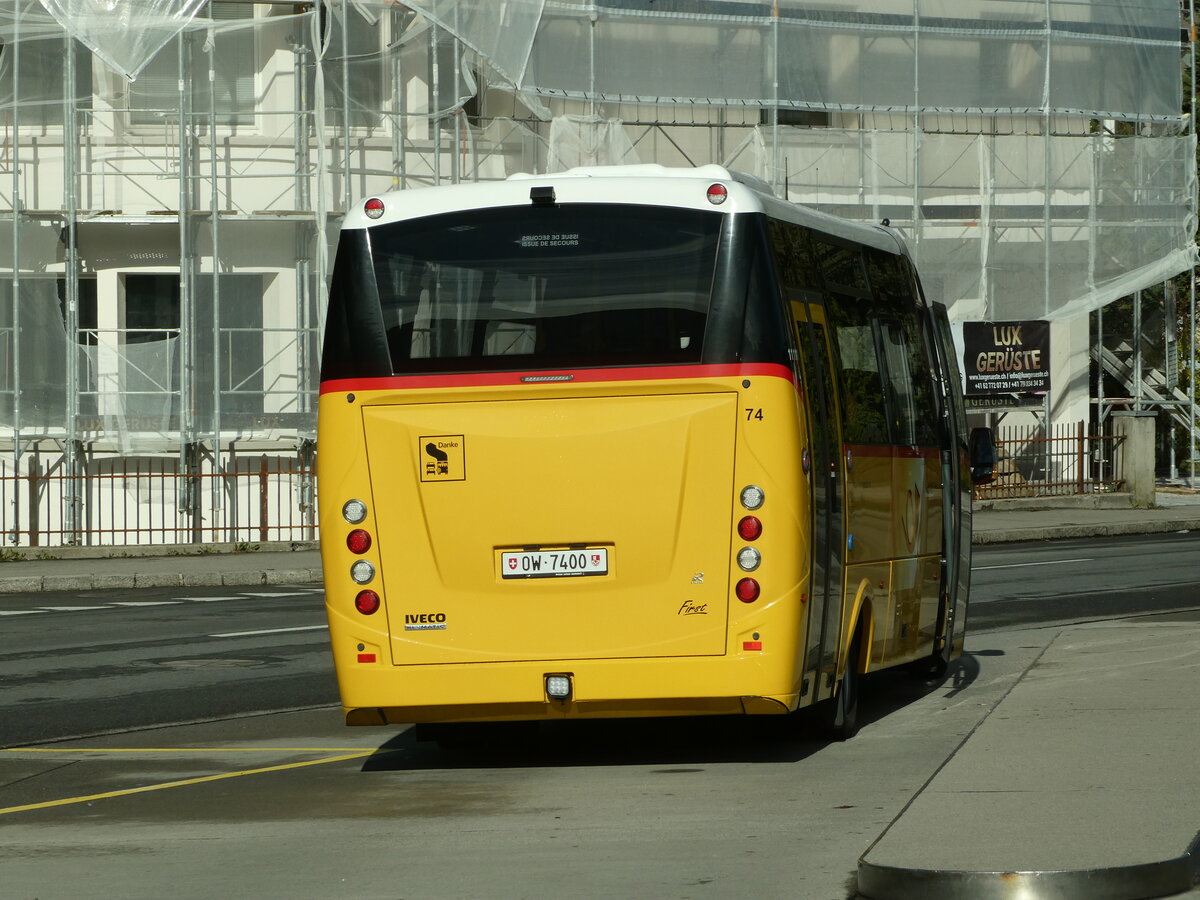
(172, 173)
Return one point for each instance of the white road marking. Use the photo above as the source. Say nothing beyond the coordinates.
(274, 594)
(231, 634)
(70, 608)
(206, 599)
(1052, 562)
(141, 603)
(21, 612)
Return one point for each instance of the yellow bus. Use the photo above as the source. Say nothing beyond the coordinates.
(633, 441)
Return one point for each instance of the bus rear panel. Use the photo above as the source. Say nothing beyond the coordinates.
(565, 462)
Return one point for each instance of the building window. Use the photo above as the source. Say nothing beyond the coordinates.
(40, 80)
(151, 308)
(358, 43)
(234, 369)
(154, 96)
(86, 335)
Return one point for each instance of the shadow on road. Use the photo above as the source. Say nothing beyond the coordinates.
(674, 743)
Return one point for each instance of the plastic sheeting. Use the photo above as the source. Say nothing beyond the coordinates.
(306, 110)
(126, 34)
(1099, 58)
(588, 141)
(1003, 227)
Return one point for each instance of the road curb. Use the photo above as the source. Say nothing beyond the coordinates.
(92, 582)
(1097, 529)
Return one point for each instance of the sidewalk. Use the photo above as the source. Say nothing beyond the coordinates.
(1081, 782)
(1087, 515)
(101, 568)
(87, 569)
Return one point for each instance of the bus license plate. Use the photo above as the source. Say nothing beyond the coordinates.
(553, 563)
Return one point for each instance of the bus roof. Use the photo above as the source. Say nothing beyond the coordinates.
(647, 185)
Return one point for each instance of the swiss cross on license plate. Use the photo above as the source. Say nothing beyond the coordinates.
(553, 563)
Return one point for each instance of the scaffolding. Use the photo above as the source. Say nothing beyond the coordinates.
(172, 173)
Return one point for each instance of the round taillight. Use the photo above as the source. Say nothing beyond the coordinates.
(362, 572)
(367, 602)
(373, 208)
(717, 193)
(753, 497)
(747, 590)
(749, 559)
(359, 541)
(750, 528)
(354, 511)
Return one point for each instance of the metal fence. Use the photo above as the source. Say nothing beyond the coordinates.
(157, 500)
(267, 497)
(1066, 459)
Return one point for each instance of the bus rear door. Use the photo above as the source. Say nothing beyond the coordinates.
(956, 477)
(826, 480)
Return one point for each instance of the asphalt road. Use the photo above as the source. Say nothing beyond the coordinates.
(76, 664)
(1083, 580)
(96, 662)
(295, 805)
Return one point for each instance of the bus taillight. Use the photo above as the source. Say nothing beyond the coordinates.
(354, 511)
(362, 572)
(747, 590)
(749, 559)
(359, 541)
(367, 602)
(753, 497)
(750, 528)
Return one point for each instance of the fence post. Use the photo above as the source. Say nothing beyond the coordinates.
(1079, 457)
(35, 472)
(262, 498)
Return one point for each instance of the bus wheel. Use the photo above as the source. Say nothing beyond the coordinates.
(842, 715)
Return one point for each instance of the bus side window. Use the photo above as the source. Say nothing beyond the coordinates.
(909, 373)
(864, 410)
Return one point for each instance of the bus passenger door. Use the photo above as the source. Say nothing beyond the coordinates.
(825, 479)
(956, 480)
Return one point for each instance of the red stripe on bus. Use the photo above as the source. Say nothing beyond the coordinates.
(886, 452)
(577, 376)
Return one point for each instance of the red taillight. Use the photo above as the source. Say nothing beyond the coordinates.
(750, 528)
(359, 541)
(367, 602)
(747, 590)
(373, 208)
(717, 193)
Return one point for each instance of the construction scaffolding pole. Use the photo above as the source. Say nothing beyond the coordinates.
(73, 450)
(14, 535)
(188, 503)
(215, 492)
(1192, 278)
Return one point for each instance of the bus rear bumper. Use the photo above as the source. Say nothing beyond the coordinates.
(590, 709)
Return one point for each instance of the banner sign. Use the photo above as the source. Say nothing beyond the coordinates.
(1006, 357)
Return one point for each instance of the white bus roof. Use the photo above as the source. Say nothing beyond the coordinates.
(646, 185)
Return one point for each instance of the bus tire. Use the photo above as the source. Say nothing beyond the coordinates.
(842, 710)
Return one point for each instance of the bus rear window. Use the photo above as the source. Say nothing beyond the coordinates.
(536, 287)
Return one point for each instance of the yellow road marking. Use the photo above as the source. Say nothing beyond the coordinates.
(180, 749)
(67, 801)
